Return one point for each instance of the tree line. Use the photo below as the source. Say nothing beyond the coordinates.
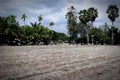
(11, 33)
(81, 30)
(79, 24)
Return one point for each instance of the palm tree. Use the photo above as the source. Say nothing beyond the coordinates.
(51, 32)
(35, 24)
(11, 19)
(40, 18)
(113, 13)
(71, 17)
(51, 24)
(93, 14)
(84, 18)
(35, 27)
(3, 24)
(11, 32)
(24, 17)
(3, 27)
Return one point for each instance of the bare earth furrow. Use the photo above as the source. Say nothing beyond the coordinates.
(61, 62)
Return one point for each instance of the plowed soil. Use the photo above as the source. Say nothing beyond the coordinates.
(60, 62)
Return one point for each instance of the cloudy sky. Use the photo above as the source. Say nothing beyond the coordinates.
(55, 10)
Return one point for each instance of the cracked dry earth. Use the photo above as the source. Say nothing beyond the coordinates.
(60, 62)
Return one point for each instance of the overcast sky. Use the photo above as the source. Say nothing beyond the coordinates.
(55, 10)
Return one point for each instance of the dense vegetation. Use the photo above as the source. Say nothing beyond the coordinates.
(81, 29)
(12, 33)
(79, 24)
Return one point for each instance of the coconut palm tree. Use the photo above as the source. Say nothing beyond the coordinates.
(51, 24)
(113, 13)
(11, 32)
(51, 32)
(3, 24)
(24, 17)
(3, 27)
(35, 24)
(40, 18)
(11, 19)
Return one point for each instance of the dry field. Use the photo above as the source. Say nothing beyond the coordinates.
(63, 62)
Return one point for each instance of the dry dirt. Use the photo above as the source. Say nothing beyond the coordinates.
(60, 62)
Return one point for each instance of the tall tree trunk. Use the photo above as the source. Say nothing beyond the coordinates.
(92, 40)
(70, 39)
(87, 34)
(112, 35)
(24, 22)
(87, 38)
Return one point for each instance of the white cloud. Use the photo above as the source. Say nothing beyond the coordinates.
(52, 17)
(102, 7)
(38, 11)
(50, 12)
(56, 17)
(60, 28)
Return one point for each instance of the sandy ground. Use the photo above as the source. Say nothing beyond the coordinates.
(60, 62)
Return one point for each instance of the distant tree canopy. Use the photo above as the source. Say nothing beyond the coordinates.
(24, 16)
(79, 24)
(83, 30)
(113, 13)
(51, 24)
(71, 17)
(85, 16)
(12, 33)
